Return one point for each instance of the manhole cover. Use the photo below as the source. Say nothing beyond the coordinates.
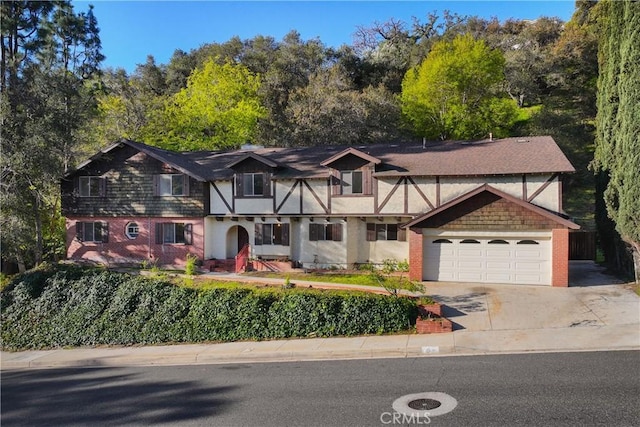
(424, 404)
(421, 404)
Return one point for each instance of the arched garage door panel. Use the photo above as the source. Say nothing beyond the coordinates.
(485, 259)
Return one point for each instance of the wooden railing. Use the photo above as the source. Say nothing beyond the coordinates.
(242, 258)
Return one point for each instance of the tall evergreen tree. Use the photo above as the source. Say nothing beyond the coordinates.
(48, 54)
(618, 119)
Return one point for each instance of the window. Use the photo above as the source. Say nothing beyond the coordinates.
(351, 182)
(92, 232)
(91, 186)
(528, 242)
(272, 234)
(132, 230)
(498, 242)
(441, 241)
(472, 241)
(331, 232)
(385, 232)
(253, 184)
(171, 185)
(174, 232)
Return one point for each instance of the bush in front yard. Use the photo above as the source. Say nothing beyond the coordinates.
(68, 306)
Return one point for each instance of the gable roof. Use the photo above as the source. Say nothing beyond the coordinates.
(351, 151)
(530, 155)
(256, 157)
(174, 159)
(508, 156)
(489, 189)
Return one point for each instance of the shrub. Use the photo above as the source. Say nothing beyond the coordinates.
(60, 306)
(190, 265)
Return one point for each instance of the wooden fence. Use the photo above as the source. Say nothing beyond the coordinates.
(582, 245)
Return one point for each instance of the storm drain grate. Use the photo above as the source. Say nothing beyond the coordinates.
(424, 404)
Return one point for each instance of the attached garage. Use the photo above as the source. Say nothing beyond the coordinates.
(488, 236)
(498, 258)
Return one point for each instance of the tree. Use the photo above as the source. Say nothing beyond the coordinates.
(289, 68)
(618, 119)
(330, 110)
(49, 54)
(454, 92)
(219, 109)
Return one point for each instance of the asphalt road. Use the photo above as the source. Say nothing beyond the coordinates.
(559, 389)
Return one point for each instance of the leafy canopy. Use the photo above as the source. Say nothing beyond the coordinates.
(454, 92)
(219, 109)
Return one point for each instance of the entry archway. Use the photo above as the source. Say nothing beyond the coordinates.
(237, 237)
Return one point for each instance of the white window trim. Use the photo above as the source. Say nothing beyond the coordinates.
(129, 235)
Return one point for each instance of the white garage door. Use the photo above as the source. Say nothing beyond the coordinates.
(488, 259)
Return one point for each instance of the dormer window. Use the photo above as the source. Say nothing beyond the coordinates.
(351, 172)
(351, 182)
(253, 184)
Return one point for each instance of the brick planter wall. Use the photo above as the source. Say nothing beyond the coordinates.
(430, 320)
(433, 326)
(425, 309)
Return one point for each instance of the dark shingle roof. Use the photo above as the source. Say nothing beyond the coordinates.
(538, 154)
(530, 155)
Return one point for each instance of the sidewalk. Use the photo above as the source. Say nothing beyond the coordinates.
(488, 319)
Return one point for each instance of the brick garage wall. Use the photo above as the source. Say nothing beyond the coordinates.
(560, 257)
(120, 249)
(415, 254)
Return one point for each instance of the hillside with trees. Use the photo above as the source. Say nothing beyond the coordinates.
(539, 78)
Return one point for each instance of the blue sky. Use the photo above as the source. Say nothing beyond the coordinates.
(131, 30)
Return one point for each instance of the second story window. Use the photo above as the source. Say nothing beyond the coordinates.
(171, 185)
(351, 182)
(91, 186)
(253, 184)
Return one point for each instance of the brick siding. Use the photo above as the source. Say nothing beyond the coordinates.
(415, 254)
(120, 249)
(560, 258)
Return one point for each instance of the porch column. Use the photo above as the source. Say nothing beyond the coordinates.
(415, 254)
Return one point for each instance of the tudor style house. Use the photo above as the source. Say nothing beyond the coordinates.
(483, 211)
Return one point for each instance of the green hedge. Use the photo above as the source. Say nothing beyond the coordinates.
(70, 306)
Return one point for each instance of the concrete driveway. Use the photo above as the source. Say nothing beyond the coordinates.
(597, 312)
(593, 299)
